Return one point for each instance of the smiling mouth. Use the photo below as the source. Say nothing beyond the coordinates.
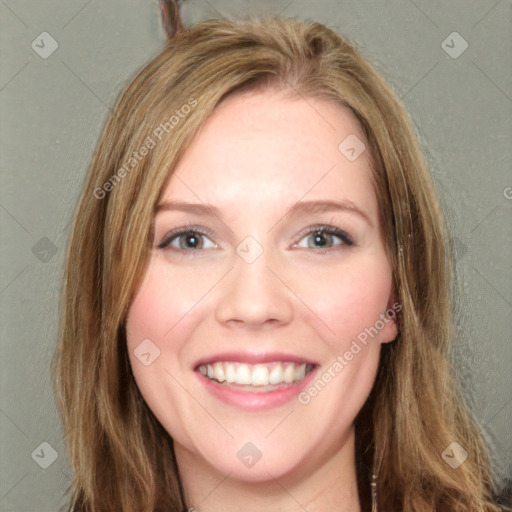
(257, 377)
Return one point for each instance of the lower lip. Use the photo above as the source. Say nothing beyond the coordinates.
(257, 400)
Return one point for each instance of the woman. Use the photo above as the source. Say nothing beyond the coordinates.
(216, 352)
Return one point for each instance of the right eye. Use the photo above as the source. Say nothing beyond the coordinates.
(189, 240)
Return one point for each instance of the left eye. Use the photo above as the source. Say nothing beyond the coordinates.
(323, 234)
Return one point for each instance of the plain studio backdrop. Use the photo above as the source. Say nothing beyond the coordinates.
(62, 67)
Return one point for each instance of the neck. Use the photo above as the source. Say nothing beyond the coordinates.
(328, 485)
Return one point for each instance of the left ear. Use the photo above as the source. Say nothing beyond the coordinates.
(389, 321)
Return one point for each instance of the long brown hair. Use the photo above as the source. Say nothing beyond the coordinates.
(122, 457)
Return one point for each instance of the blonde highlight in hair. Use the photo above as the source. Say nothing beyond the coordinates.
(122, 457)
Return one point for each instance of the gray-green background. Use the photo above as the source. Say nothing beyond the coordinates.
(52, 111)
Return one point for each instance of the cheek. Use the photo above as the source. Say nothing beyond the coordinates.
(351, 307)
(165, 311)
(164, 298)
(153, 327)
(350, 300)
(152, 316)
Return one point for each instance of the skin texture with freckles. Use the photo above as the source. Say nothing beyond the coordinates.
(258, 155)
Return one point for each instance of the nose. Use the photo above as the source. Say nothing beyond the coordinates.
(255, 294)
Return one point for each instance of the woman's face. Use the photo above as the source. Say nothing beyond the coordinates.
(254, 299)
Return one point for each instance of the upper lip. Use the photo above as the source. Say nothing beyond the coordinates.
(253, 358)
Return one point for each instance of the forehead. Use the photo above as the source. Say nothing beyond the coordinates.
(262, 150)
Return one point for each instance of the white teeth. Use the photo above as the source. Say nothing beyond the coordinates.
(255, 375)
(276, 375)
(230, 372)
(243, 375)
(260, 375)
(289, 373)
(218, 372)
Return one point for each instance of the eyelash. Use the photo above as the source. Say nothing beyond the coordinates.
(191, 229)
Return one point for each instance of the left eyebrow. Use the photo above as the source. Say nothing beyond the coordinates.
(300, 208)
(309, 207)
